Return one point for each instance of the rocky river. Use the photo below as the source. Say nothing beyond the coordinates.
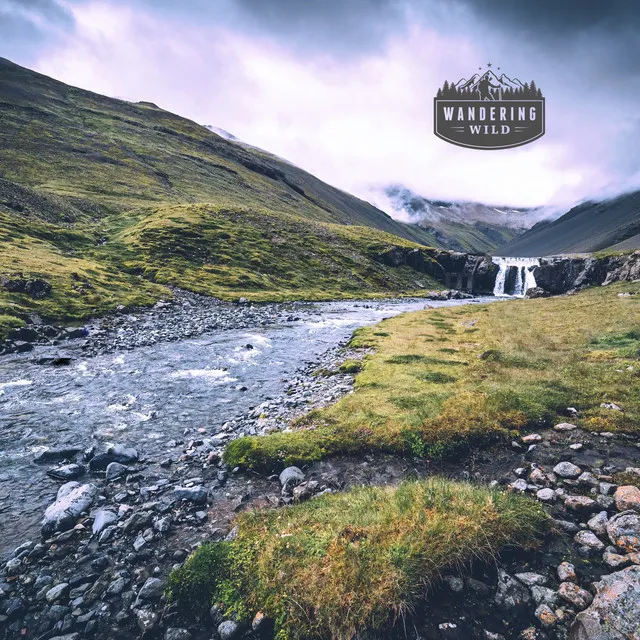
(195, 368)
(114, 438)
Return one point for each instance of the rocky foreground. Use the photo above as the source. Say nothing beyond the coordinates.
(121, 522)
(122, 519)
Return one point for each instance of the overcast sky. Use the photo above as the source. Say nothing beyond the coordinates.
(344, 88)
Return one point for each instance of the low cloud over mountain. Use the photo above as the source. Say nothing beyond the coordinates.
(346, 90)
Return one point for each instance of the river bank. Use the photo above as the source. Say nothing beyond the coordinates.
(195, 368)
(105, 576)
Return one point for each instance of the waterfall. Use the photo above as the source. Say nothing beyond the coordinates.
(523, 277)
(518, 289)
(498, 288)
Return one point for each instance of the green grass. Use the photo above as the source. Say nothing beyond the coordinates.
(360, 560)
(227, 253)
(8, 322)
(110, 202)
(81, 285)
(527, 362)
(351, 366)
(623, 478)
(263, 255)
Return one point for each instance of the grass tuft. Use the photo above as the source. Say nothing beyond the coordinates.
(360, 560)
(351, 366)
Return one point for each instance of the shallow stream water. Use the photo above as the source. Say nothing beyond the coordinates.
(152, 394)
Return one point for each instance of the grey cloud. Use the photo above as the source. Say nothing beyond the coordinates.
(561, 18)
(27, 25)
(354, 27)
(49, 10)
(335, 25)
(604, 34)
(327, 27)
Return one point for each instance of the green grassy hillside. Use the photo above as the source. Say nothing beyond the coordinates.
(109, 201)
(471, 237)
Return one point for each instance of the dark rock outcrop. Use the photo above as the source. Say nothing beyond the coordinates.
(36, 288)
(565, 273)
(536, 292)
(462, 271)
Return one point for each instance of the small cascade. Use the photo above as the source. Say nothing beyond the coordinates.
(515, 276)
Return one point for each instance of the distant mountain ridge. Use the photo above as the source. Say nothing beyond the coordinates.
(608, 225)
(465, 226)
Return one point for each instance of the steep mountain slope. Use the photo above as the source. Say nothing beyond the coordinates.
(592, 226)
(76, 143)
(464, 226)
(103, 202)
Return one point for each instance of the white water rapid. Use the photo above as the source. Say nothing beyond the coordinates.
(520, 281)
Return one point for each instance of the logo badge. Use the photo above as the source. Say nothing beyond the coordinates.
(489, 111)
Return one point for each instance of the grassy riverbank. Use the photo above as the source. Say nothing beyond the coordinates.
(443, 379)
(107, 202)
(227, 253)
(363, 559)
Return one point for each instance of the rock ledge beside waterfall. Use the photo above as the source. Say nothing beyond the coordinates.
(555, 275)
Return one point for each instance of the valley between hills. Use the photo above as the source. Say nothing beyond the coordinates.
(238, 402)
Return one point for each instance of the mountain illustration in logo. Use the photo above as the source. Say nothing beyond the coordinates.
(466, 113)
(489, 86)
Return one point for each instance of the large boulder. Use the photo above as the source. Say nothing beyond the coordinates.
(289, 478)
(16, 283)
(115, 453)
(614, 613)
(197, 494)
(574, 595)
(536, 292)
(67, 472)
(624, 531)
(102, 520)
(26, 334)
(52, 455)
(115, 470)
(72, 500)
(567, 470)
(627, 497)
(511, 596)
(122, 454)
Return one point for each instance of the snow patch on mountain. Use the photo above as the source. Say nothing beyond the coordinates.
(222, 133)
